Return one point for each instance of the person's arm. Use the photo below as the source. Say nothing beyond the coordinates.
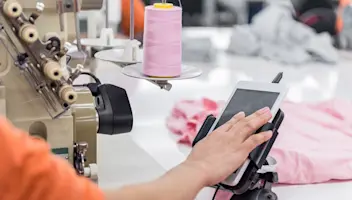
(181, 183)
(28, 170)
(210, 162)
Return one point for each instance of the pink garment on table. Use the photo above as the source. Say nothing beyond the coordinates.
(314, 143)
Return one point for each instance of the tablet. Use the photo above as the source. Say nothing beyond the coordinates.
(250, 97)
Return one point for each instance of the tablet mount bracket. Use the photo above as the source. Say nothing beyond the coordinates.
(254, 185)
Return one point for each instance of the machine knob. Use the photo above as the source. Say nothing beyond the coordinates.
(53, 40)
(52, 70)
(68, 94)
(29, 33)
(12, 9)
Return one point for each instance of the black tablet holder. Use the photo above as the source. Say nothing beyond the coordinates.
(253, 185)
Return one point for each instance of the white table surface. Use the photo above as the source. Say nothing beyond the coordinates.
(149, 150)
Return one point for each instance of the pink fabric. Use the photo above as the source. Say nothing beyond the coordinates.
(314, 144)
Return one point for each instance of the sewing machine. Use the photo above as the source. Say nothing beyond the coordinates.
(37, 93)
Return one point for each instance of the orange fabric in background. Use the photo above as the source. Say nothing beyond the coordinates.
(138, 17)
(28, 170)
(339, 20)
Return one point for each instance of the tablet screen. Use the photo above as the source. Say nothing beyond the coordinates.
(247, 101)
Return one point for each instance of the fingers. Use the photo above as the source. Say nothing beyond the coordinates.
(252, 123)
(236, 118)
(255, 140)
(259, 113)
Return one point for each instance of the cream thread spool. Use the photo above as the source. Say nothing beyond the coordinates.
(29, 33)
(68, 94)
(12, 9)
(52, 70)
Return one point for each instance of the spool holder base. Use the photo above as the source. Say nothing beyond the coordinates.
(106, 40)
(129, 55)
(130, 50)
(136, 71)
(125, 48)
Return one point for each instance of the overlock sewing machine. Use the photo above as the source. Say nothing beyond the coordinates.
(37, 93)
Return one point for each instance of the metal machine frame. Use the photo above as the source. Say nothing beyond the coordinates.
(36, 89)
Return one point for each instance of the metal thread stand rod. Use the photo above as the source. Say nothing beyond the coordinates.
(78, 30)
(131, 19)
(209, 12)
(106, 13)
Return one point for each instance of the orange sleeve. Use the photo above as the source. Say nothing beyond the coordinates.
(138, 17)
(29, 171)
(339, 20)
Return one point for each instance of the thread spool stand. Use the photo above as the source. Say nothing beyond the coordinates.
(123, 52)
(106, 40)
(120, 51)
(136, 70)
(127, 54)
(126, 51)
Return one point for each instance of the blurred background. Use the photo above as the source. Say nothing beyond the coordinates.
(230, 40)
(321, 15)
(216, 13)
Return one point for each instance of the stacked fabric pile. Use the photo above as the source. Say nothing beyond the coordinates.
(275, 35)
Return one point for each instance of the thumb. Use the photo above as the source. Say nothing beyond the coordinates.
(255, 140)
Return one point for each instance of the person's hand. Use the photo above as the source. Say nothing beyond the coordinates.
(224, 150)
